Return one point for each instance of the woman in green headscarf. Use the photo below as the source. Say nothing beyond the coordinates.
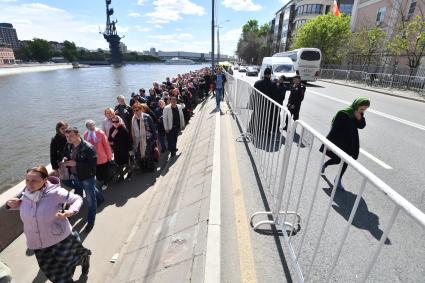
(344, 133)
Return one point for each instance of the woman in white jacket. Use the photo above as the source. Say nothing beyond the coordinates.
(173, 123)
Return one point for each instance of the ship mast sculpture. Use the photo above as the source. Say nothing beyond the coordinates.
(112, 37)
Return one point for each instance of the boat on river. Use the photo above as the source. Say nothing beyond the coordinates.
(178, 61)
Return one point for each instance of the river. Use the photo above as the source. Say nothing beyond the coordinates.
(33, 103)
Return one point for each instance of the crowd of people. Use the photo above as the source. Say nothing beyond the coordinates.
(131, 136)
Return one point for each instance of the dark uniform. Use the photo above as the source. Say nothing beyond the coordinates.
(295, 99)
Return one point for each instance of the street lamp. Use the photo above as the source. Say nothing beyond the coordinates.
(218, 39)
(212, 36)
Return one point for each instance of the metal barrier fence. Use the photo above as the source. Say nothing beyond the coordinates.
(317, 225)
(415, 83)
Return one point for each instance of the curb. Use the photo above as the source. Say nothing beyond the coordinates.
(213, 251)
(378, 91)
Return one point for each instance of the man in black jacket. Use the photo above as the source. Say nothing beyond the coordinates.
(80, 158)
(296, 97)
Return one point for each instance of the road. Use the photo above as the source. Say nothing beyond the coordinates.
(393, 149)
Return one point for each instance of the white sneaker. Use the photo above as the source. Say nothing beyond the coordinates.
(104, 187)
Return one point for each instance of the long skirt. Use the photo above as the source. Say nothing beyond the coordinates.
(58, 262)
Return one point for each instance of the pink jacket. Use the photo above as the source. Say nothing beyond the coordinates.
(103, 149)
(41, 227)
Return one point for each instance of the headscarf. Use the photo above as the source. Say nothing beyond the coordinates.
(349, 111)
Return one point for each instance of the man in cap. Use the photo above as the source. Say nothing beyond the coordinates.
(137, 97)
(296, 97)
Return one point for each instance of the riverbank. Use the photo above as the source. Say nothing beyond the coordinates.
(31, 68)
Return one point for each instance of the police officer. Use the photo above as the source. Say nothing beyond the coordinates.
(296, 97)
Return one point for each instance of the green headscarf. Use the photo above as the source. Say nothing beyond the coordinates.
(353, 107)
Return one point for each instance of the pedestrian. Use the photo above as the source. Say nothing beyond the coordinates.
(219, 80)
(120, 139)
(98, 139)
(137, 97)
(44, 212)
(344, 134)
(80, 158)
(296, 97)
(107, 121)
(159, 111)
(144, 137)
(57, 146)
(173, 123)
(123, 110)
(208, 82)
(279, 91)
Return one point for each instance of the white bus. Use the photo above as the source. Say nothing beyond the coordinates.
(306, 62)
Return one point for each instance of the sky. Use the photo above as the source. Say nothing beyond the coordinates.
(167, 25)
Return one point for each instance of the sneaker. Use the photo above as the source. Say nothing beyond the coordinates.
(104, 187)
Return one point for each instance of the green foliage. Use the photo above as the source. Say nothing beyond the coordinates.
(366, 43)
(326, 32)
(134, 57)
(69, 51)
(40, 50)
(409, 38)
(252, 43)
(24, 54)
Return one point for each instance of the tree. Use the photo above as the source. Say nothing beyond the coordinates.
(23, 53)
(69, 51)
(40, 50)
(252, 45)
(409, 38)
(367, 43)
(326, 32)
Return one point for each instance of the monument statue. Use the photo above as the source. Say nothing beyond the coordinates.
(112, 37)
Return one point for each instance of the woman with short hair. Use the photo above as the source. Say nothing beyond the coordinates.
(57, 146)
(49, 234)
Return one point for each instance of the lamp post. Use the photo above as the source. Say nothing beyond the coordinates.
(218, 39)
(212, 37)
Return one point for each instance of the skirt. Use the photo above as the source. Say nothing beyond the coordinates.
(58, 262)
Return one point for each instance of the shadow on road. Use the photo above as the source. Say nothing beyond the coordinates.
(364, 219)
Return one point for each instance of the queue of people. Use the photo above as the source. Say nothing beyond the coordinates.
(131, 136)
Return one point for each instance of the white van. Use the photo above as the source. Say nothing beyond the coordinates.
(279, 66)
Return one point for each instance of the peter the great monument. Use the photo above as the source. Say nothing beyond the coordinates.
(112, 37)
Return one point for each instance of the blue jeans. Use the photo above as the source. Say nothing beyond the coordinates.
(218, 92)
(93, 195)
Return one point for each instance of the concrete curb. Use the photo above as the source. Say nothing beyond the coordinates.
(213, 252)
(378, 91)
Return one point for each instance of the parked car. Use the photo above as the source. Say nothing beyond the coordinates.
(242, 69)
(236, 67)
(251, 71)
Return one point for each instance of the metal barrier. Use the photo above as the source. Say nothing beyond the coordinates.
(311, 222)
(414, 83)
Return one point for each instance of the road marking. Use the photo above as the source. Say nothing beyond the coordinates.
(213, 252)
(246, 258)
(391, 117)
(365, 153)
(378, 161)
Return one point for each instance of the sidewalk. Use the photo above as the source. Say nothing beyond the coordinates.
(168, 242)
(412, 95)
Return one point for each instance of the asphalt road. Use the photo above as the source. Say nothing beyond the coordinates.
(393, 149)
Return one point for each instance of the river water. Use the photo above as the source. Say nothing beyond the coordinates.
(32, 104)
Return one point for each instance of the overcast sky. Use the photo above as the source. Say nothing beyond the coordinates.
(168, 25)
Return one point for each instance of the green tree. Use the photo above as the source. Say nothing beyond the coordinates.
(367, 44)
(328, 33)
(24, 54)
(40, 50)
(250, 26)
(409, 39)
(252, 45)
(69, 51)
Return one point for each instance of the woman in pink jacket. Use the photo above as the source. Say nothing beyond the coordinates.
(98, 139)
(46, 227)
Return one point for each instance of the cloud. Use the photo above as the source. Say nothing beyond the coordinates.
(6, 1)
(47, 22)
(172, 38)
(166, 11)
(158, 26)
(139, 28)
(141, 2)
(229, 40)
(134, 15)
(241, 5)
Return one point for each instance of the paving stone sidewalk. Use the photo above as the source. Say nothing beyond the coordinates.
(168, 242)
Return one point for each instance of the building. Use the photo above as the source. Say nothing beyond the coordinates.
(123, 48)
(6, 54)
(294, 15)
(56, 46)
(8, 35)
